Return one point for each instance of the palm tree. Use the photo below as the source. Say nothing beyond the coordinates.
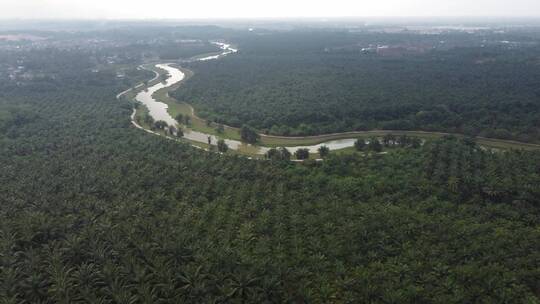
(86, 279)
(172, 131)
(375, 144)
(120, 292)
(302, 154)
(192, 282)
(11, 277)
(243, 286)
(324, 151)
(149, 120)
(4, 299)
(272, 154)
(222, 146)
(360, 144)
(179, 132)
(249, 135)
(389, 139)
(403, 141)
(160, 124)
(34, 288)
(179, 118)
(147, 293)
(61, 283)
(285, 154)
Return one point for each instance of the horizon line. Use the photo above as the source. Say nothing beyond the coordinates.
(266, 18)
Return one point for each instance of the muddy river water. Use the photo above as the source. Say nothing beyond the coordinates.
(158, 110)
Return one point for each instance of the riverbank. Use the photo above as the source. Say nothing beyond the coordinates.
(199, 124)
(154, 95)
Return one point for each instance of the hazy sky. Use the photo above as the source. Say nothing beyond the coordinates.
(262, 8)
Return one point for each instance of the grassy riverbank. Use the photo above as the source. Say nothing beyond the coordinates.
(198, 124)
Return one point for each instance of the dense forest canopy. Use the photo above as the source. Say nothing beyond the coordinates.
(95, 211)
(308, 82)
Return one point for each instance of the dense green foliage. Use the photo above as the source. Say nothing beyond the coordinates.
(249, 135)
(279, 154)
(95, 211)
(313, 82)
(324, 151)
(301, 154)
(360, 144)
(222, 146)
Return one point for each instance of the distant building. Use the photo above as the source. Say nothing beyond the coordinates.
(386, 50)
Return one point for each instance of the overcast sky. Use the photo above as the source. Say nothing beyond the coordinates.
(178, 9)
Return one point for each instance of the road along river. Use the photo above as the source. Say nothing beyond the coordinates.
(158, 111)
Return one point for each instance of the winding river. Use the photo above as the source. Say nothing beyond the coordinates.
(158, 110)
